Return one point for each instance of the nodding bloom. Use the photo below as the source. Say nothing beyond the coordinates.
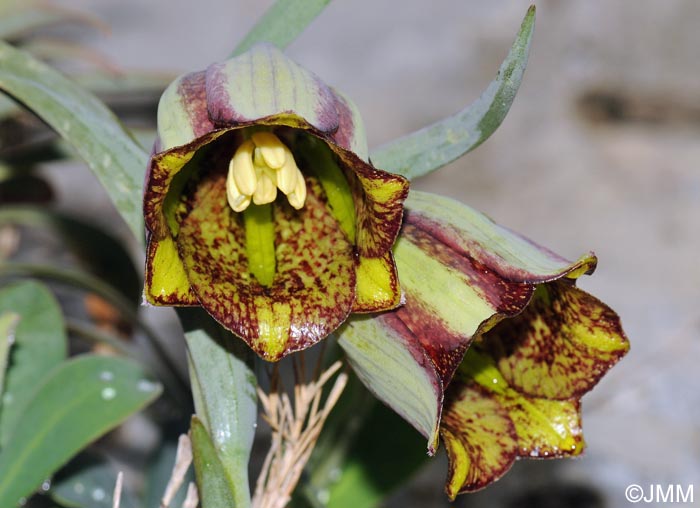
(262, 207)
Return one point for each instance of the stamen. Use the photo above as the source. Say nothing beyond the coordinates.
(260, 166)
(266, 191)
(236, 200)
(287, 174)
(297, 198)
(272, 149)
(241, 167)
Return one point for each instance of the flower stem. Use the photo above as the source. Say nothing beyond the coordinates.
(260, 242)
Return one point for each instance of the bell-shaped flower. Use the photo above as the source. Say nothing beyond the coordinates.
(493, 347)
(261, 206)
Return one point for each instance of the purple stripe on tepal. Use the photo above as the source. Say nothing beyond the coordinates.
(345, 135)
(219, 103)
(192, 89)
(327, 118)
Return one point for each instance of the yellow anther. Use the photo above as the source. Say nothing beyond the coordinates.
(271, 148)
(236, 199)
(298, 196)
(266, 191)
(241, 167)
(260, 166)
(287, 174)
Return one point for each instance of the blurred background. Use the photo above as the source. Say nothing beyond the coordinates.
(601, 151)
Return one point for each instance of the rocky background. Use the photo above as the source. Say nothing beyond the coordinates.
(600, 152)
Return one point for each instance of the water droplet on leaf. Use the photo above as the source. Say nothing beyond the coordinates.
(145, 385)
(108, 393)
(98, 494)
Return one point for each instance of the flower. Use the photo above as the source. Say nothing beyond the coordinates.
(281, 272)
(262, 207)
(493, 347)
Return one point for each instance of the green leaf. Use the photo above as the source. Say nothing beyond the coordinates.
(432, 147)
(213, 484)
(8, 324)
(90, 484)
(166, 369)
(40, 345)
(79, 117)
(78, 402)
(282, 23)
(103, 255)
(223, 386)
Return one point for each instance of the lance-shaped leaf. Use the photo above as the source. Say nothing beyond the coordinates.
(78, 401)
(39, 345)
(434, 146)
(85, 122)
(461, 273)
(285, 276)
(223, 387)
(282, 23)
(214, 488)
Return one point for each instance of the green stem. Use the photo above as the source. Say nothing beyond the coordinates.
(260, 242)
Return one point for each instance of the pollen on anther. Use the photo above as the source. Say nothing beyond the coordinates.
(260, 166)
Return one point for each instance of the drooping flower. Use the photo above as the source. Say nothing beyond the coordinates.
(493, 347)
(261, 206)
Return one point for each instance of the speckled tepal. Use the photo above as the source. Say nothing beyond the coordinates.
(328, 255)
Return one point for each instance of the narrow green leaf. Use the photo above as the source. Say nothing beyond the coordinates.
(102, 254)
(282, 23)
(40, 345)
(432, 147)
(78, 402)
(223, 387)
(166, 368)
(79, 117)
(213, 485)
(8, 324)
(90, 484)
